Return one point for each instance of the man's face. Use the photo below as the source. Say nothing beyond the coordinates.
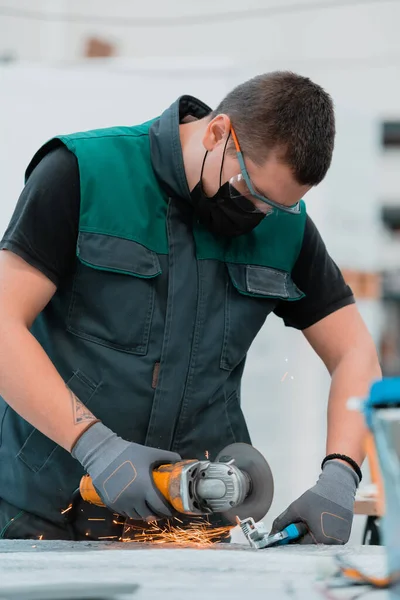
(273, 180)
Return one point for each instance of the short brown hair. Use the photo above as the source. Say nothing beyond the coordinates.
(286, 112)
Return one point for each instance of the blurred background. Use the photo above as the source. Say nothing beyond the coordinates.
(70, 65)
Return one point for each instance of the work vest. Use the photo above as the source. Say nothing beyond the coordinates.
(152, 328)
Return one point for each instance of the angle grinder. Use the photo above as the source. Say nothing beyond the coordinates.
(238, 483)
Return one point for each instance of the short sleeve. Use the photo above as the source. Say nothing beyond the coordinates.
(44, 226)
(320, 279)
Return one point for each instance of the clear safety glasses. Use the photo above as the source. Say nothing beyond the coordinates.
(240, 187)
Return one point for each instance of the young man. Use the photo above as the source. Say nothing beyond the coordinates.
(138, 267)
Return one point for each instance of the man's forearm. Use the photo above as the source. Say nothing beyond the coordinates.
(31, 385)
(352, 377)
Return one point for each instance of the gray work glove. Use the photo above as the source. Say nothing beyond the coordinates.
(121, 472)
(327, 508)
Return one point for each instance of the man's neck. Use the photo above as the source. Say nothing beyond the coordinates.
(191, 135)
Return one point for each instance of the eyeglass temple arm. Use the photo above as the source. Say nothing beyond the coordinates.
(241, 160)
(235, 140)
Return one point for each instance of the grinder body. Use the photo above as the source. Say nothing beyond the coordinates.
(201, 487)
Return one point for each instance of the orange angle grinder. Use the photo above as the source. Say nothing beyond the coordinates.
(238, 483)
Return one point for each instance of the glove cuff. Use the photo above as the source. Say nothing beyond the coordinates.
(346, 459)
(83, 432)
(339, 471)
(338, 483)
(94, 442)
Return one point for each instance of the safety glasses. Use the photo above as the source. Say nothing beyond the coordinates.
(240, 186)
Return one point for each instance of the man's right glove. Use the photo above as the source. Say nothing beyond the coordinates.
(121, 472)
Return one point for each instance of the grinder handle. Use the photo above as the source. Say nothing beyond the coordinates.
(88, 491)
(166, 479)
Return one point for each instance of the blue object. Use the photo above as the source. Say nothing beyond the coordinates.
(382, 413)
(382, 393)
(292, 533)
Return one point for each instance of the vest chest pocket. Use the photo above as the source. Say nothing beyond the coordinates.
(252, 292)
(113, 293)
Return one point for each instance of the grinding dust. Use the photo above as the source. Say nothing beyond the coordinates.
(66, 509)
(199, 534)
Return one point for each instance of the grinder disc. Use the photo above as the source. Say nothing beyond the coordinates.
(252, 462)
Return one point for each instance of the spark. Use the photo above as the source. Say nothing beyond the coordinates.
(207, 454)
(197, 535)
(41, 537)
(96, 519)
(284, 377)
(66, 509)
(108, 537)
(118, 522)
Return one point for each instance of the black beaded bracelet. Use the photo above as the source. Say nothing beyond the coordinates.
(345, 458)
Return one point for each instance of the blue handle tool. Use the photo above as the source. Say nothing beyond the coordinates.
(291, 533)
(258, 537)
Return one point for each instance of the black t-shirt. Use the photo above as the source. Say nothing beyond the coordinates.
(44, 228)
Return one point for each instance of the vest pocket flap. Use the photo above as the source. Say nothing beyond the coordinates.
(119, 255)
(263, 282)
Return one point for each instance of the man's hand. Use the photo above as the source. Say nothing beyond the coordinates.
(121, 472)
(327, 508)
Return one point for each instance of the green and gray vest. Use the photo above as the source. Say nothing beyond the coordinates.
(151, 331)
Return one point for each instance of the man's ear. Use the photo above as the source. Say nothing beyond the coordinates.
(217, 131)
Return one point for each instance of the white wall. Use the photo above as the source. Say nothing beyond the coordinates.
(39, 102)
(269, 29)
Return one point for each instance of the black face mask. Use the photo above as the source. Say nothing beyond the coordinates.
(221, 214)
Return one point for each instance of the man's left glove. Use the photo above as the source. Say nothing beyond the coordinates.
(327, 508)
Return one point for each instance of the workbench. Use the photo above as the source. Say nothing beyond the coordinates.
(226, 571)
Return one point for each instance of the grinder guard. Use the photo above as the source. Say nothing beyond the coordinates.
(260, 495)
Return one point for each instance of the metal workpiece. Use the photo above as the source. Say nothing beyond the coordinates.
(257, 535)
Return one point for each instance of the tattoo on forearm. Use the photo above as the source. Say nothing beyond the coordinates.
(80, 412)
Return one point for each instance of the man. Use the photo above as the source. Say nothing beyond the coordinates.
(138, 267)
